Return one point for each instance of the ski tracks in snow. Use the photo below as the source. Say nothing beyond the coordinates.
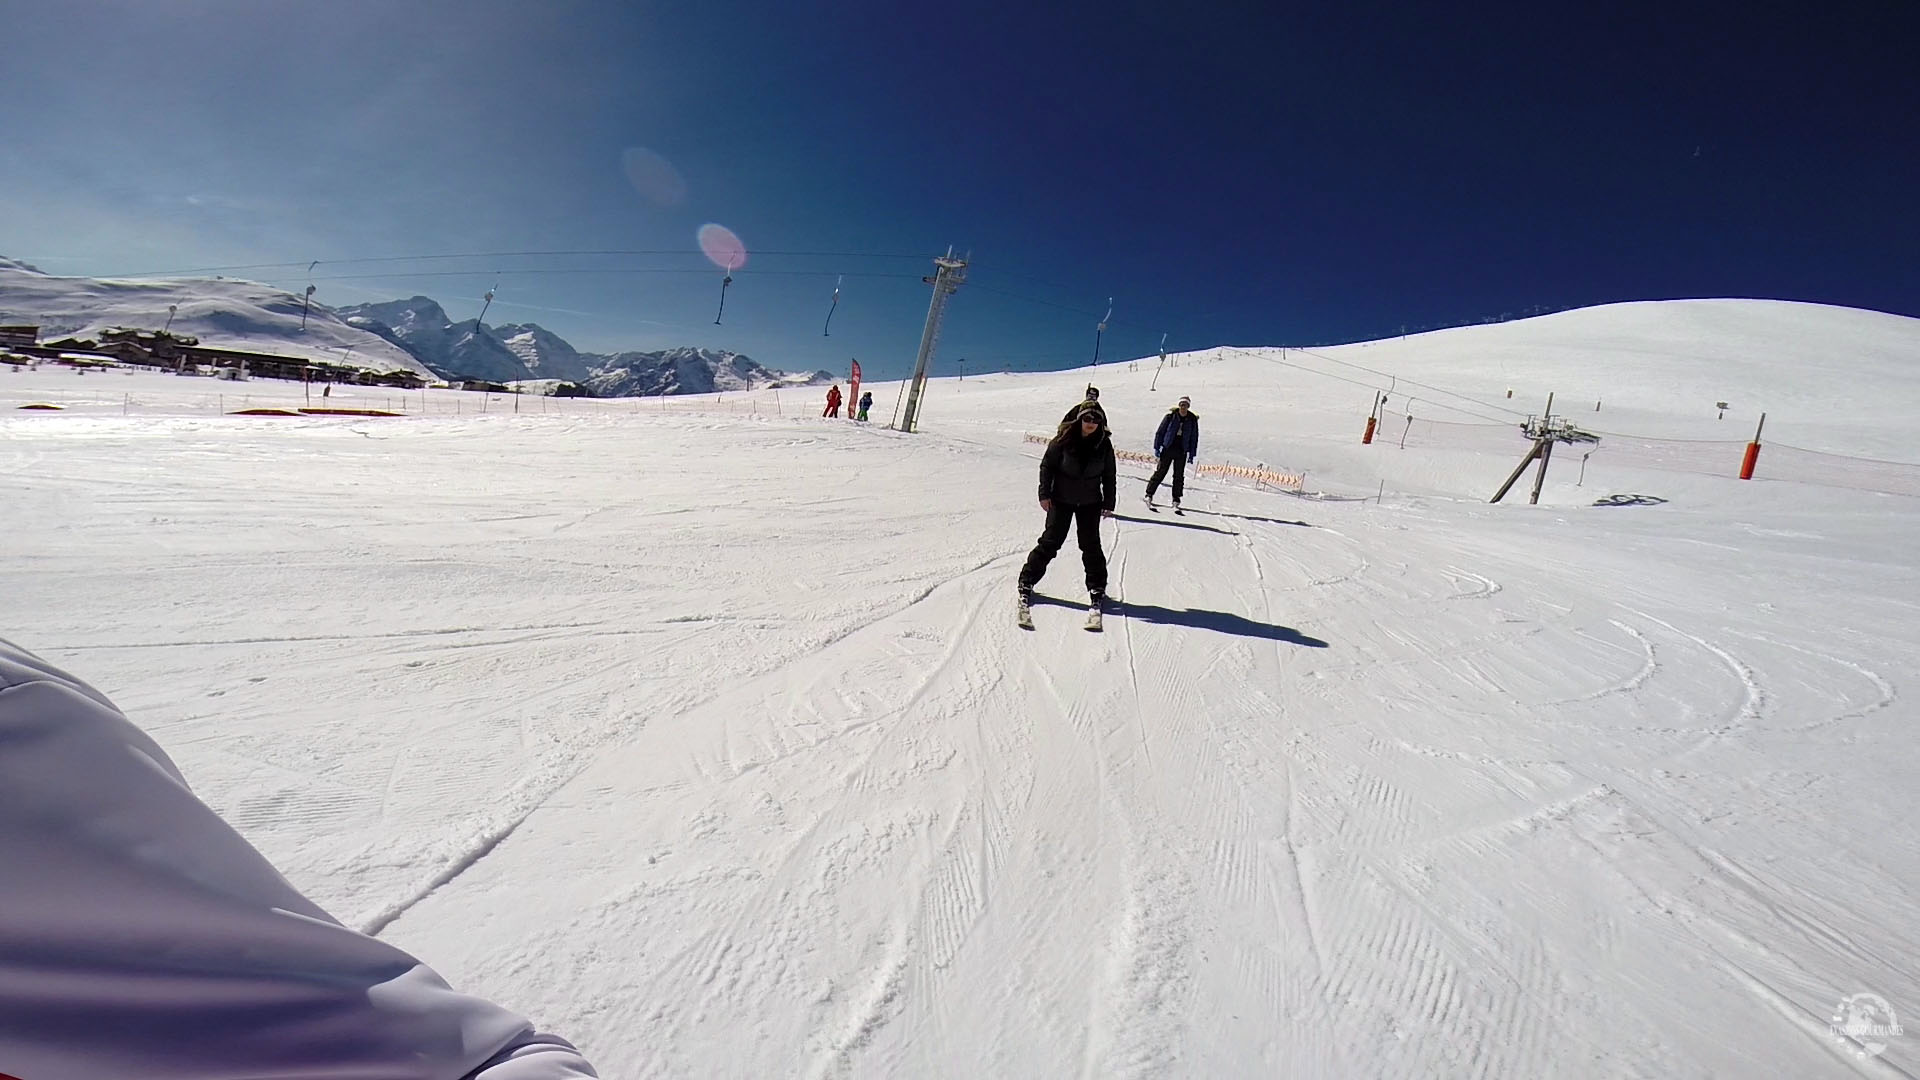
(1195, 847)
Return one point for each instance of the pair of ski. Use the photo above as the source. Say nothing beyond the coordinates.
(1156, 509)
(1023, 614)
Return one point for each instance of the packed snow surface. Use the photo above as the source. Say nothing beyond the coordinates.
(702, 732)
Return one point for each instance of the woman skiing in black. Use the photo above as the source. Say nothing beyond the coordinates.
(1077, 478)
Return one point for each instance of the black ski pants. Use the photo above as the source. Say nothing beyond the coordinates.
(1174, 456)
(1087, 518)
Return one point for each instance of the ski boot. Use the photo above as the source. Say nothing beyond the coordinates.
(1096, 607)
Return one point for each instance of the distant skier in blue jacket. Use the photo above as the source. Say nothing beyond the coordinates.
(1177, 442)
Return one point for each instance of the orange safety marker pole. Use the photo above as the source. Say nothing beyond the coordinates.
(1753, 451)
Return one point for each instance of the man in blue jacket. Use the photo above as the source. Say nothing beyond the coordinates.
(1176, 442)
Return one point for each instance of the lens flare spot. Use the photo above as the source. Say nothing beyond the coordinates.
(722, 246)
(653, 176)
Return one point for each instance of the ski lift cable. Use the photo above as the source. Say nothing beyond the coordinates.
(724, 282)
(430, 257)
(974, 284)
(399, 275)
(487, 303)
(1106, 320)
(1277, 360)
(1412, 382)
(1100, 331)
(1372, 386)
(1319, 356)
(306, 301)
(1328, 359)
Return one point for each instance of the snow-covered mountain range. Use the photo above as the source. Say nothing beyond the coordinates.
(451, 350)
(219, 311)
(512, 352)
(688, 371)
(414, 334)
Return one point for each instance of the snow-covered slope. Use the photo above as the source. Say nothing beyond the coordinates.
(1831, 381)
(221, 312)
(731, 762)
(1830, 378)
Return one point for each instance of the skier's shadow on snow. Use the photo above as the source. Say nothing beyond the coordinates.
(1251, 517)
(1199, 619)
(1163, 520)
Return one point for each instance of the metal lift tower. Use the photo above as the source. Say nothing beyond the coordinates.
(949, 274)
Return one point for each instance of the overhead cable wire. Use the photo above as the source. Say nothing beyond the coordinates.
(974, 284)
(529, 254)
(1410, 382)
(1318, 356)
(700, 272)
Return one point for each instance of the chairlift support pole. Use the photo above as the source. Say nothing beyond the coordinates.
(949, 274)
(1540, 475)
(1517, 470)
(1545, 432)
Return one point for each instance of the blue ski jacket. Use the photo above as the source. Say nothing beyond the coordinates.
(1174, 430)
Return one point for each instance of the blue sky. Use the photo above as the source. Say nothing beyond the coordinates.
(1256, 173)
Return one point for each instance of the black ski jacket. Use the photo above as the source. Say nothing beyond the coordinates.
(1079, 472)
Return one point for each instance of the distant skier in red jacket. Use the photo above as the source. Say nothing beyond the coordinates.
(833, 402)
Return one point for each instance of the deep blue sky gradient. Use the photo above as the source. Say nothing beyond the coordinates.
(1229, 173)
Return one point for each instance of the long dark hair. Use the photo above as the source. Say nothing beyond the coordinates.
(1069, 432)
